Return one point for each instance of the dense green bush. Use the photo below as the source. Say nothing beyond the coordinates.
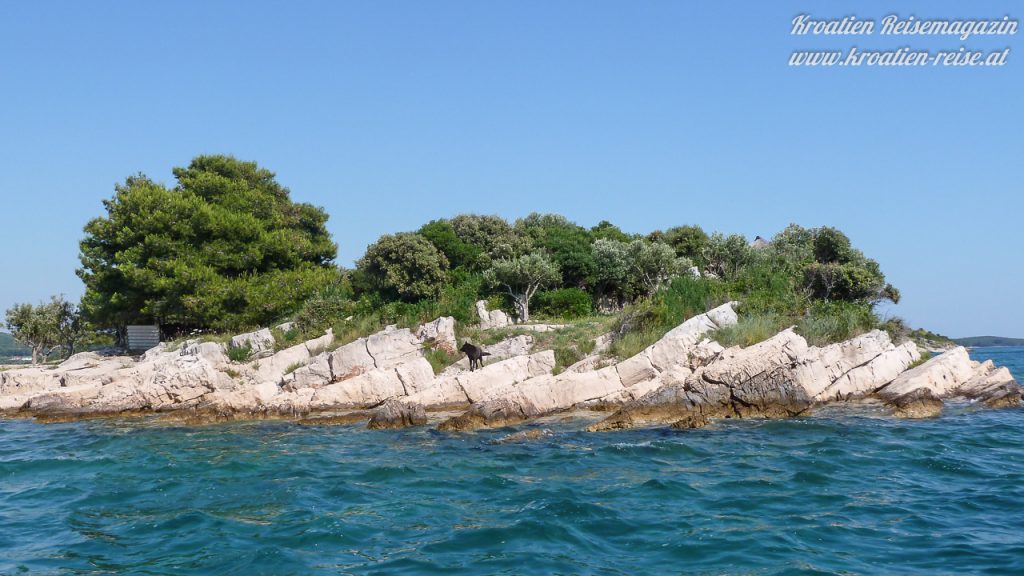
(405, 267)
(325, 307)
(569, 303)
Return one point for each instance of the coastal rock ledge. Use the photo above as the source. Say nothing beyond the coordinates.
(684, 380)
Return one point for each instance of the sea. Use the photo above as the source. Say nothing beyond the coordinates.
(846, 491)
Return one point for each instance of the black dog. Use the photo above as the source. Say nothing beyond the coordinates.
(475, 355)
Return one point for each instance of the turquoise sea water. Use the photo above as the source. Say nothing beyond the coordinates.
(845, 492)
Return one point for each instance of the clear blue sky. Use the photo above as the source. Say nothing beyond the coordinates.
(648, 114)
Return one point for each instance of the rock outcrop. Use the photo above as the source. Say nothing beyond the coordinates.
(741, 382)
(545, 394)
(783, 377)
(948, 375)
(396, 414)
(508, 348)
(684, 380)
(491, 318)
(440, 334)
(260, 343)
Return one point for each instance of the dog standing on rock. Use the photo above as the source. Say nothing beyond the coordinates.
(475, 355)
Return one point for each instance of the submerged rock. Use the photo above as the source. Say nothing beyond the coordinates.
(919, 403)
(525, 436)
(397, 414)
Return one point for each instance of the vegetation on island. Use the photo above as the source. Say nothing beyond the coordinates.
(46, 327)
(11, 348)
(983, 341)
(226, 249)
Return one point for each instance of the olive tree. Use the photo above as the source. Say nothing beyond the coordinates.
(46, 326)
(521, 277)
(636, 268)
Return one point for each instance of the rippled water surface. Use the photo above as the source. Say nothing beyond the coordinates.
(847, 492)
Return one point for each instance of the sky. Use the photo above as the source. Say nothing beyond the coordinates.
(649, 114)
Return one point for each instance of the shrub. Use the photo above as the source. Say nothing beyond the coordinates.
(439, 358)
(326, 307)
(567, 303)
(405, 267)
(240, 354)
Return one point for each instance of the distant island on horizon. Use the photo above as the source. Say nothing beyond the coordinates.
(988, 341)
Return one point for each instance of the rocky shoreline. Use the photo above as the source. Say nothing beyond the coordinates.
(685, 380)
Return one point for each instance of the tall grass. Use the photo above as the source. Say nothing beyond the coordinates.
(751, 329)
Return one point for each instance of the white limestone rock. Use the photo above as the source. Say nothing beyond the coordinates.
(491, 318)
(260, 343)
(440, 332)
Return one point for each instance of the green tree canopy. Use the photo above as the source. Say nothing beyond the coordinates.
(460, 254)
(831, 267)
(404, 266)
(45, 326)
(492, 235)
(687, 241)
(628, 270)
(521, 277)
(568, 245)
(224, 248)
(608, 231)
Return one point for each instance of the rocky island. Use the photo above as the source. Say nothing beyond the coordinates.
(683, 380)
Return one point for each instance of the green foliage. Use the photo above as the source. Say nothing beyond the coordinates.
(830, 322)
(568, 245)
(404, 266)
(293, 367)
(240, 354)
(521, 277)
(46, 326)
(492, 235)
(928, 338)
(750, 330)
(225, 248)
(687, 241)
(608, 231)
(439, 358)
(724, 256)
(925, 356)
(651, 264)
(288, 338)
(10, 347)
(569, 303)
(982, 341)
(832, 246)
(897, 329)
(629, 270)
(327, 305)
(460, 254)
(830, 267)
(644, 322)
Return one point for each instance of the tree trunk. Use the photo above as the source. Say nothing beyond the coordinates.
(523, 307)
(35, 355)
